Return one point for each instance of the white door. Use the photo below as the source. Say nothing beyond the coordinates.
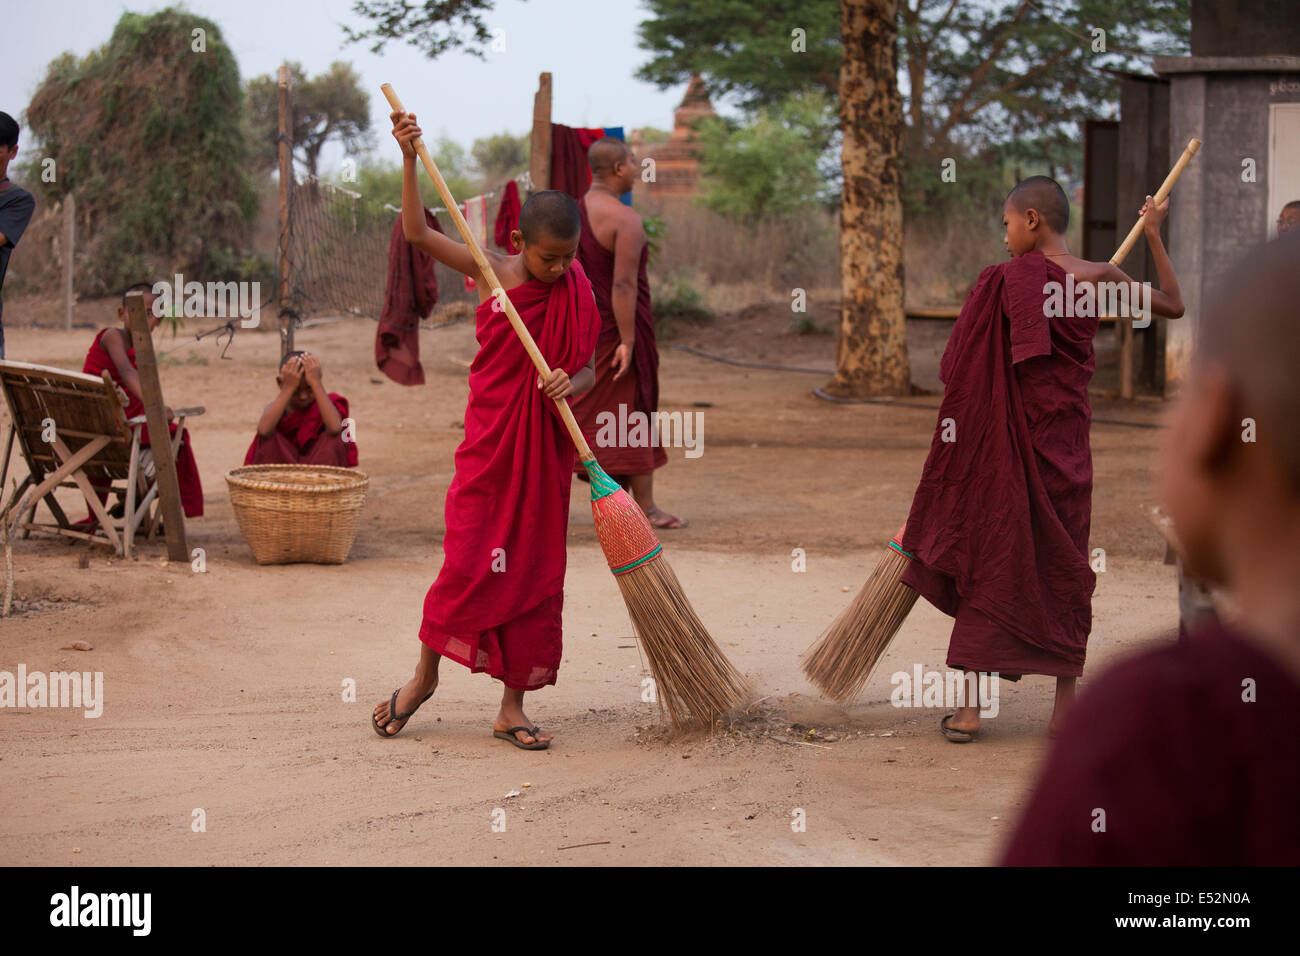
(1283, 160)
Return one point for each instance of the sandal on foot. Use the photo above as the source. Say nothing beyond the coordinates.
(667, 522)
(530, 731)
(393, 716)
(956, 736)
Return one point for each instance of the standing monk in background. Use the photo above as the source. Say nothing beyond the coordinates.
(613, 251)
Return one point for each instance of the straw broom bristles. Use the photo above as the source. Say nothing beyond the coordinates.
(694, 681)
(842, 660)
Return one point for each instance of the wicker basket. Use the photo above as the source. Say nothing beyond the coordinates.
(298, 513)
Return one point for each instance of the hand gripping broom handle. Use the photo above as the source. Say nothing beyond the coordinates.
(490, 276)
(1165, 188)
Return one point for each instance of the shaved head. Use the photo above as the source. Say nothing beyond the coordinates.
(1046, 197)
(550, 212)
(605, 152)
(1251, 330)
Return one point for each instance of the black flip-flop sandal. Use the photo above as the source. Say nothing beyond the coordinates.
(956, 736)
(393, 715)
(530, 731)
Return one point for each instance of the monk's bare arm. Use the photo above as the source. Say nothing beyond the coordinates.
(443, 248)
(629, 239)
(417, 232)
(585, 378)
(1168, 299)
(559, 385)
(112, 343)
(272, 414)
(330, 416)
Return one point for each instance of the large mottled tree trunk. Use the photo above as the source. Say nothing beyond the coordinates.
(871, 356)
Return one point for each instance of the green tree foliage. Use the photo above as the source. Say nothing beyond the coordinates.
(381, 180)
(147, 132)
(652, 135)
(329, 106)
(744, 48)
(433, 27)
(771, 165)
(500, 157)
(983, 80)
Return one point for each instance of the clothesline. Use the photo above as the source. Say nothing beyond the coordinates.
(525, 179)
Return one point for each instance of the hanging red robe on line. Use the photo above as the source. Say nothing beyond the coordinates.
(496, 604)
(410, 296)
(999, 523)
(187, 472)
(507, 217)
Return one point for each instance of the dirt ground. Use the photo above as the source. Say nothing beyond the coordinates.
(224, 691)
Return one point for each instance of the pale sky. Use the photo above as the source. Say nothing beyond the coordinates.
(589, 46)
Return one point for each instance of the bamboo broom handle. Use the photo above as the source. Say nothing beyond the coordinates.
(1161, 194)
(490, 276)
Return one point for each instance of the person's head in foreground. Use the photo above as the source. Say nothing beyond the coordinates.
(1231, 476)
(8, 142)
(1035, 212)
(1187, 755)
(297, 364)
(547, 238)
(1289, 218)
(149, 298)
(612, 163)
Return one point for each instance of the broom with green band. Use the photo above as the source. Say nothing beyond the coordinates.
(843, 658)
(695, 683)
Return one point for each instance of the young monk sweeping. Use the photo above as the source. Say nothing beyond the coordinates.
(1191, 749)
(496, 604)
(304, 425)
(999, 524)
(113, 352)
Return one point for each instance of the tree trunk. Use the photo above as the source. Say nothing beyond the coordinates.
(871, 356)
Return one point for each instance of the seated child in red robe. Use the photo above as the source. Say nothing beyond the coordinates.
(113, 352)
(305, 425)
(496, 604)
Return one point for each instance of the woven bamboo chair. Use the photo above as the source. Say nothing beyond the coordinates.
(72, 429)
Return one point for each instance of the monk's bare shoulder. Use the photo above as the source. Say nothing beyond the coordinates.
(629, 224)
(1086, 271)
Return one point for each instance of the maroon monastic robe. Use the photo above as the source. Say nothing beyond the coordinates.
(999, 523)
(410, 296)
(638, 389)
(1190, 750)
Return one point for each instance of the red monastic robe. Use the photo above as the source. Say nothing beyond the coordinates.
(300, 439)
(496, 604)
(999, 523)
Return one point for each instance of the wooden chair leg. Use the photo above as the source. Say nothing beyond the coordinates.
(72, 463)
(4, 474)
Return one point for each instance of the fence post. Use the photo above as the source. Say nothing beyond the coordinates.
(539, 152)
(69, 245)
(286, 183)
